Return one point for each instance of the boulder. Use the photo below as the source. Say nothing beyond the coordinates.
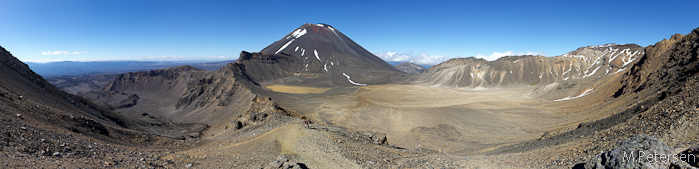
(279, 162)
(379, 138)
(639, 151)
(283, 162)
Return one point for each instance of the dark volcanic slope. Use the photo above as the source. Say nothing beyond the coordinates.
(25, 92)
(583, 63)
(44, 127)
(329, 58)
(153, 92)
(411, 68)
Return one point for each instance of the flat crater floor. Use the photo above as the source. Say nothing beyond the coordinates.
(458, 121)
(296, 89)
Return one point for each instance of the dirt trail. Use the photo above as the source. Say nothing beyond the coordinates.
(308, 145)
(314, 148)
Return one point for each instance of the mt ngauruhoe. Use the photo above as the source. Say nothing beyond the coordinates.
(316, 99)
(329, 58)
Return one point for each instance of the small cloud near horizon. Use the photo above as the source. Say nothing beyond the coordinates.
(62, 53)
(497, 55)
(420, 59)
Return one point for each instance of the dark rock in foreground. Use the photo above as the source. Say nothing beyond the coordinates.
(283, 162)
(641, 151)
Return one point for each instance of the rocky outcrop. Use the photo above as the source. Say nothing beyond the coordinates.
(584, 63)
(411, 68)
(217, 88)
(633, 153)
(262, 67)
(260, 111)
(283, 162)
(226, 101)
(642, 151)
(666, 64)
(378, 138)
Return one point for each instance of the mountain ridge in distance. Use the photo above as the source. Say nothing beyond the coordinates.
(73, 68)
(411, 68)
(585, 62)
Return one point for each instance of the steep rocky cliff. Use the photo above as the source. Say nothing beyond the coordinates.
(26, 93)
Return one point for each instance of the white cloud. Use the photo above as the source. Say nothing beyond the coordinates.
(421, 59)
(496, 55)
(62, 53)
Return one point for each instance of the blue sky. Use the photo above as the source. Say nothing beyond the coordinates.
(427, 32)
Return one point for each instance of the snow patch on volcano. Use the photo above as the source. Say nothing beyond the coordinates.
(298, 33)
(316, 53)
(350, 80)
(283, 47)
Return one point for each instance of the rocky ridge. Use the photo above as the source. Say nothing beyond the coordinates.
(655, 97)
(411, 68)
(584, 63)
